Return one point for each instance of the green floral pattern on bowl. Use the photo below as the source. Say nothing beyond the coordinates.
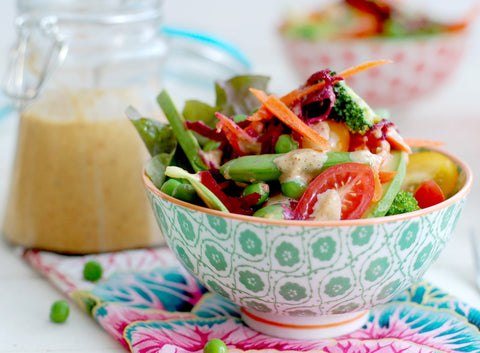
(299, 270)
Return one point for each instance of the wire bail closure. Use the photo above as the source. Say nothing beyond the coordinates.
(32, 62)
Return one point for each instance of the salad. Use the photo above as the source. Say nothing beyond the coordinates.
(319, 152)
(366, 18)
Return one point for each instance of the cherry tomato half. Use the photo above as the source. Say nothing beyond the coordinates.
(430, 165)
(428, 194)
(354, 183)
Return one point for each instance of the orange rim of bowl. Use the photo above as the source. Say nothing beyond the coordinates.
(460, 194)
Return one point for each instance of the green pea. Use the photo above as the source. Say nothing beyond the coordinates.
(239, 118)
(215, 345)
(92, 271)
(59, 311)
(185, 192)
(169, 186)
(270, 211)
(294, 188)
(285, 143)
(257, 188)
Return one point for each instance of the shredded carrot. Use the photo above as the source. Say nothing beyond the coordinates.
(239, 139)
(397, 141)
(261, 96)
(377, 194)
(363, 67)
(283, 113)
(294, 95)
(423, 143)
(385, 177)
(470, 17)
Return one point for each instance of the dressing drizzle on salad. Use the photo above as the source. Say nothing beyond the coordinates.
(317, 153)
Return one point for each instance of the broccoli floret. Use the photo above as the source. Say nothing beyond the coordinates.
(402, 203)
(352, 110)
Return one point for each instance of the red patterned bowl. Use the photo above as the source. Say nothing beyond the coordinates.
(421, 65)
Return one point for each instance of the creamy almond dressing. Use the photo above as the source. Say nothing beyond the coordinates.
(328, 206)
(366, 157)
(307, 163)
(278, 199)
(304, 163)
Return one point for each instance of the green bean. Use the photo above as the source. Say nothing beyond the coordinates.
(294, 188)
(258, 188)
(185, 137)
(285, 143)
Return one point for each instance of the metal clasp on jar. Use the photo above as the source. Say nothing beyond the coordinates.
(38, 53)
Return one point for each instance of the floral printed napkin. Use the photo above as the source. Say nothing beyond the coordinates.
(149, 303)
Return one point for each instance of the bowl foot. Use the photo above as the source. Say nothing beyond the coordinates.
(304, 328)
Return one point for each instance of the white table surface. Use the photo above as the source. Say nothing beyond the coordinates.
(452, 116)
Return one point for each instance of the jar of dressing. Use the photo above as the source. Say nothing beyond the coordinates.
(76, 185)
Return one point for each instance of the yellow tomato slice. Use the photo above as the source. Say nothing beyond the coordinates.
(336, 133)
(339, 136)
(430, 165)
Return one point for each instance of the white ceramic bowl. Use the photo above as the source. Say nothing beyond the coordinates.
(304, 279)
(421, 66)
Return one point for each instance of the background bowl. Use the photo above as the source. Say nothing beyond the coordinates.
(421, 65)
(304, 279)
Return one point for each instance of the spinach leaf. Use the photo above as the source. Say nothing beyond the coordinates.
(198, 111)
(160, 141)
(156, 167)
(157, 136)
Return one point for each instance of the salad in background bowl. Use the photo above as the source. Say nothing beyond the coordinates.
(426, 51)
(307, 209)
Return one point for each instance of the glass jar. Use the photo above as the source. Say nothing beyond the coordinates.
(76, 185)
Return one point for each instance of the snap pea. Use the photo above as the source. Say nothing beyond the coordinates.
(169, 186)
(180, 190)
(202, 191)
(252, 168)
(185, 192)
(294, 188)
(256, 168)
(271, 211)
(257, 188)
(285, 143)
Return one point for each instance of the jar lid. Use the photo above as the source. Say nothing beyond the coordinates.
(93, 11)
